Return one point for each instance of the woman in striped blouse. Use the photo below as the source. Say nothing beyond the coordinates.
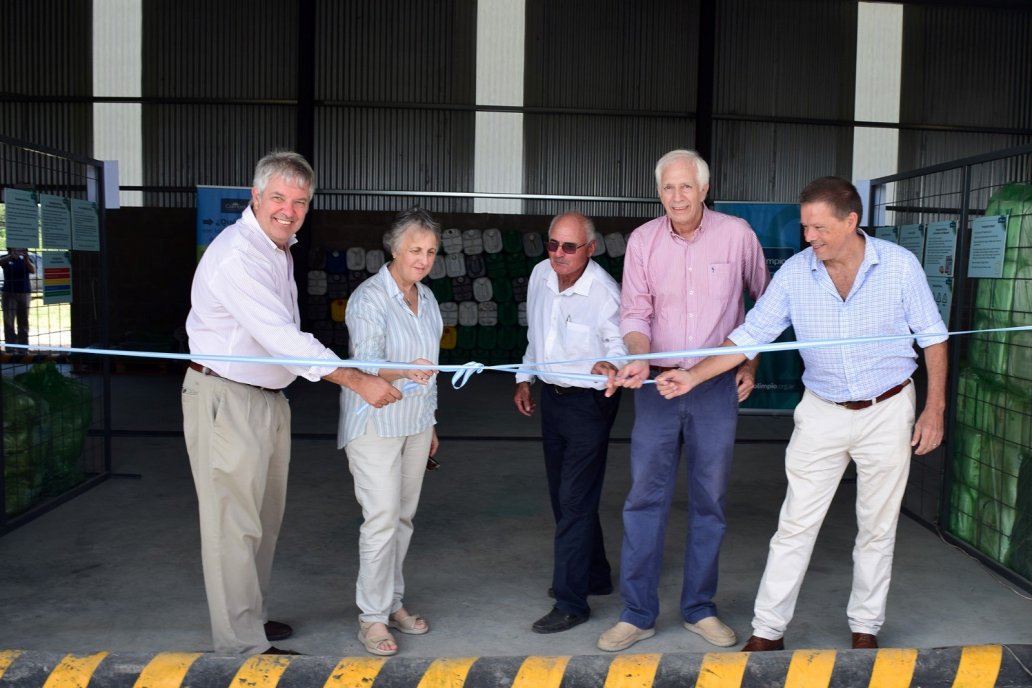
(392, 317)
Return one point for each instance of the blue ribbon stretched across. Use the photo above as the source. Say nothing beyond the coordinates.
(461, 373)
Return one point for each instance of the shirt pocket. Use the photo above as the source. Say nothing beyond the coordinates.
(578, 340)
(723, 279)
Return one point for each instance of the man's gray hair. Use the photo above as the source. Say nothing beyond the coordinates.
(289, 166)
(589, 226)
(701, 168)
(411, 218)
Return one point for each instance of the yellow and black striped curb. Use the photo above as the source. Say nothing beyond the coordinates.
(967, 667)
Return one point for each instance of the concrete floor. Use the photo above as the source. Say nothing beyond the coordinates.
(118, 568)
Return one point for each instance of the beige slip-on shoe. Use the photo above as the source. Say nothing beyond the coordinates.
(715, 631)
(622, 636)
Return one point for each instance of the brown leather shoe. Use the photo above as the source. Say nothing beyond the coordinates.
(865, 641)
(758, 644)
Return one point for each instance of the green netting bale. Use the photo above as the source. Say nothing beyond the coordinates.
(1021, 536)
(963, 503)
(71, 411)
(26, 446)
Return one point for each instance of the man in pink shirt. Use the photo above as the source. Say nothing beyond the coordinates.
(683, 281)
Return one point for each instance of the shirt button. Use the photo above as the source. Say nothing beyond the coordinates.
(691, 315)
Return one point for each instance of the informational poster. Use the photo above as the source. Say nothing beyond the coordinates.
(217, 208)
(988, 243)
(22, 218)
(779, 377)
(85, 226)
(912, 238)
(56, 221)
(942, 292)
(887, 234)
(940, 248)
(57, 277)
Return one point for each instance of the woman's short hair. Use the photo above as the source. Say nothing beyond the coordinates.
(412, 218)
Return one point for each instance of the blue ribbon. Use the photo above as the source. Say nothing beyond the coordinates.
(462, 373)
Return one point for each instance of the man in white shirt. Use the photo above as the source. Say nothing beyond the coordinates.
(573, 312)
(236, 420)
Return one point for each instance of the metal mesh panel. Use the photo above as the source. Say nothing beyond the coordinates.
(52, 403)
(979, 488)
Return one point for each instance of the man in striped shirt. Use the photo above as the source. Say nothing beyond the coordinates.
(859, 402)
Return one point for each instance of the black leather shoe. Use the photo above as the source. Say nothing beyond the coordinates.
(594, 593)
(277, 651)
(274, 630)
(557, 621)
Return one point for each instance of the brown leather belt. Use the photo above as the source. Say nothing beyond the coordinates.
(204, 370)
(887, 394)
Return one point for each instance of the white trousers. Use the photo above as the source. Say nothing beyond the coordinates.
(388, 474)
(825, 438)
(238, 438)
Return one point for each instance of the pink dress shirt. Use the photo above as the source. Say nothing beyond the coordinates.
(689, 294)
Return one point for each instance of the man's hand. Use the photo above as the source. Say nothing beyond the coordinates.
(632, 376)
(524, 403)
(376, 391)
(434, 442)
(674, 383)
(745, 379)
(928, 431)
(605, 368)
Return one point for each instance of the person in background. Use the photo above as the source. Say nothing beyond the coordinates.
(573, 312)
(236, 420)
(859, 402)
(17, 265)
(392, 317)
(684, 275)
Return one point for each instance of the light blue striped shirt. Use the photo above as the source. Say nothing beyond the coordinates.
(890, 296)
(382, 328)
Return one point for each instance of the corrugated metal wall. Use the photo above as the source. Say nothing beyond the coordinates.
(45, 56)
(790, 59)
(618, 83)
(396, 85)
(964, 68)
(224, 76)
(608, 87)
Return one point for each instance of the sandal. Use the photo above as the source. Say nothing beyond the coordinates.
(372, 643)
(412, 624)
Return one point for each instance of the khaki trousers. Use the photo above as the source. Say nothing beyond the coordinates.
(238, 439)
(388, 474)
(825, 439)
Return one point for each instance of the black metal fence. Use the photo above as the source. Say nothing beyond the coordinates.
(54, 405)
(978, 490)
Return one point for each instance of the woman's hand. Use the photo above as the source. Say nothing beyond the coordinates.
(420, 376)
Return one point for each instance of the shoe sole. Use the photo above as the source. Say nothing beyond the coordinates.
(640, 635)
(712, 641)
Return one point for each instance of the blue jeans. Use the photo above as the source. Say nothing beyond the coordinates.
(703, 424)
(575, 427)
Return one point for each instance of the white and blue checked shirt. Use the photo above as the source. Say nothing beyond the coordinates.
(890, 296)
(382, 328)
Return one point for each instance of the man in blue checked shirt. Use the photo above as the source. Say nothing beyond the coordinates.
(859, 402)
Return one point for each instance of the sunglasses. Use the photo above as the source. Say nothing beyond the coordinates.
(567, 246)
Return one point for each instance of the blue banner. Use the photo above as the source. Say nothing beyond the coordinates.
(217, 208)
(779, 377)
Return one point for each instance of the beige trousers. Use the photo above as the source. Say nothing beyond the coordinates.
(388, 474)
(825, 439)
(238, 439)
